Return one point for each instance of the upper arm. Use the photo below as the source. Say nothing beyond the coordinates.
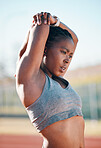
(30, 62)
(74, 36)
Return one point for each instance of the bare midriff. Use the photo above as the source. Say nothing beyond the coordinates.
(68, 133)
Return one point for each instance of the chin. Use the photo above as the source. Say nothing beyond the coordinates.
(59, 74)
(62, 75)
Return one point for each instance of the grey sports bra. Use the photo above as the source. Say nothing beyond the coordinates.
(54, 104)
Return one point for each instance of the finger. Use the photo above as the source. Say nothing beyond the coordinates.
(48, 18)
(45, 18)
(35, 18)
(38, 19)
(42, 17)
(41, 13)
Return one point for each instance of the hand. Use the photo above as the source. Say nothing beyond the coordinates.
(45, 18)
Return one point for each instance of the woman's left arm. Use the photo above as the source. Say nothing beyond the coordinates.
(63, 26)
(74, 36)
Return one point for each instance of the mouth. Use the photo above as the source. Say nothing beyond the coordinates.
(63, 68)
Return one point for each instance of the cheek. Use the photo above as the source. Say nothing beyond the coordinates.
(54, 58)
(51, 61)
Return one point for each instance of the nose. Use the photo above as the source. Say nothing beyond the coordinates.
(66, 60)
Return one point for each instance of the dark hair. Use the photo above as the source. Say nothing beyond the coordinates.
(56, 34)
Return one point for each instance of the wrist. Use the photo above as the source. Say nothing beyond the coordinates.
(56, 21)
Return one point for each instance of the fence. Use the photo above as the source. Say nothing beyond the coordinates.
(10, 104)
(91, 100)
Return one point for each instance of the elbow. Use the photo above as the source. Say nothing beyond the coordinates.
(76, 39)
(75, 42)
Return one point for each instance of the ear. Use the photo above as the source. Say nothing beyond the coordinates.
(45, 51)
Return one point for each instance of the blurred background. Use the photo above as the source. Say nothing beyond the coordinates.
(84, 73)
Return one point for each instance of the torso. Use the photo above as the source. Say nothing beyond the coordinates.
(61, 134)
(68, 133)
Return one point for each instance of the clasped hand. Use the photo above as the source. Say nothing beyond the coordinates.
(45, 18)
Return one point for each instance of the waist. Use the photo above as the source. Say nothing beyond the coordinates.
(71, 129)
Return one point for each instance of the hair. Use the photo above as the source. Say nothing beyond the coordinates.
(57, 34)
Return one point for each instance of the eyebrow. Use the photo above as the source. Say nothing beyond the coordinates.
(67, 50)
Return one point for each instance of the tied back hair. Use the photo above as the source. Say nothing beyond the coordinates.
(57, 34)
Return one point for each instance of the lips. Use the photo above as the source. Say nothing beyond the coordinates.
(63, 68)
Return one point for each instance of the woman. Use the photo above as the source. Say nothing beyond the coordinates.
(53, 106)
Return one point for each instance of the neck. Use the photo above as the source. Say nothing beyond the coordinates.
(46, 70)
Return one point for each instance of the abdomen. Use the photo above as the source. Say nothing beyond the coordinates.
(67, 133)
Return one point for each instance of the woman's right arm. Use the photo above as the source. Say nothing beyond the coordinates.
(30, 62)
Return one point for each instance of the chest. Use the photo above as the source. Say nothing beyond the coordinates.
(57, 96)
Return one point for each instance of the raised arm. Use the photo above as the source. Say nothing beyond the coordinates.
(75, 39)
(32, 52)
(30, 61)
(63, 26)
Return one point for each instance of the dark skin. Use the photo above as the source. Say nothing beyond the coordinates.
(30, 76)
(59, 56)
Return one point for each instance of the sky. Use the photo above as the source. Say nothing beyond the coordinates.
(82, 16)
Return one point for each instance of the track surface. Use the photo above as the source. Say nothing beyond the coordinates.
(22, 141)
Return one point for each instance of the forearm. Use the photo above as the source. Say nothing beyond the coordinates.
(37, 41)
(63, 26)
(29, 64)
(74, 36)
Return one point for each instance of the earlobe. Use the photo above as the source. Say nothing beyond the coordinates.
(44, 59)
(45, 51)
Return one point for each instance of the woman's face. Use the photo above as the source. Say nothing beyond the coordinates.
(58, 57)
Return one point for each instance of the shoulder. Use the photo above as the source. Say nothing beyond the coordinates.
(31, 89)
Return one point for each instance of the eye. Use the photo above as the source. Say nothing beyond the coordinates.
(62, 51)
(70, 57)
